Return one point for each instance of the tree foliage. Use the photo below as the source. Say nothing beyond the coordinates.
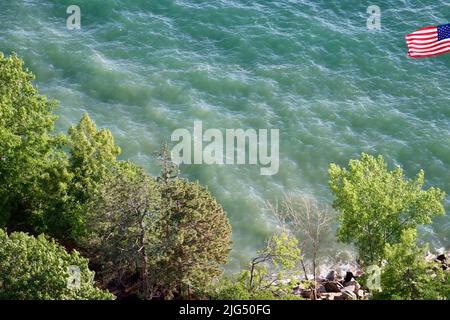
(92, 157)
(30, 155)
(44, 188)
(194, 236)
(169, 232)
(375, 204)
(266, 276)
(407, 275)
(122, 234)
(37, 269)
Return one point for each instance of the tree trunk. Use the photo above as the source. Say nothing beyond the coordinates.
(144, 260)
(304, 269)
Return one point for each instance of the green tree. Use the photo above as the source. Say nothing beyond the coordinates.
(93, 155)
(170, 233)
(407, 275)
(60, 204)
(194, 237)
(170, 170)
(375, 204)
(122, 234)
(34, 268)
(31, 158)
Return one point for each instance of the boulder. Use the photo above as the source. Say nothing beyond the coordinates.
(320, 279)
(348, 295)
(299, 286)
(348, 276)
(296, 290)
(331, 286)
(326, 296)
(354, 284)
(442, 258)
(321, 289)
(430, 256)
(331, 276)
(339, 296)
(332, 296)
(350, 288)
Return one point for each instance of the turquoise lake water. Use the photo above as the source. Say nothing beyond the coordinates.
(309, 68)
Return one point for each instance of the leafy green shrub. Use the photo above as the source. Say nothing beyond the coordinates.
(407, 275)
(376, 205)
(266, 276)
(34, 268)
(230, 289)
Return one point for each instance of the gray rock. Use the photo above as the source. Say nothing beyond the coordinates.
(348, 295)
(331, 276)
(350, 288)
(332, 296)
(339, 297)
(353, 283)
(298, 287)
(321, 289)
(333, 286)
(349, 276)
(442, 257)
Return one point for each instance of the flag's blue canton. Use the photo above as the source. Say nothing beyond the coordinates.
(443, 32)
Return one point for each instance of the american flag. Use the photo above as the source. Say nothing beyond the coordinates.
(429, 41)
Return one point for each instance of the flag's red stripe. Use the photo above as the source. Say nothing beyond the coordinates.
(419, 37)
(438, 45)
(422, 42)
(427, 46)
(431, 54)
(426, 28)
(430, 38)
(424, 31)
(429, 50)
(425, 34)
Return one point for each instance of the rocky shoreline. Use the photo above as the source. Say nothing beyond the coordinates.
(333, 287)
(337, 287)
